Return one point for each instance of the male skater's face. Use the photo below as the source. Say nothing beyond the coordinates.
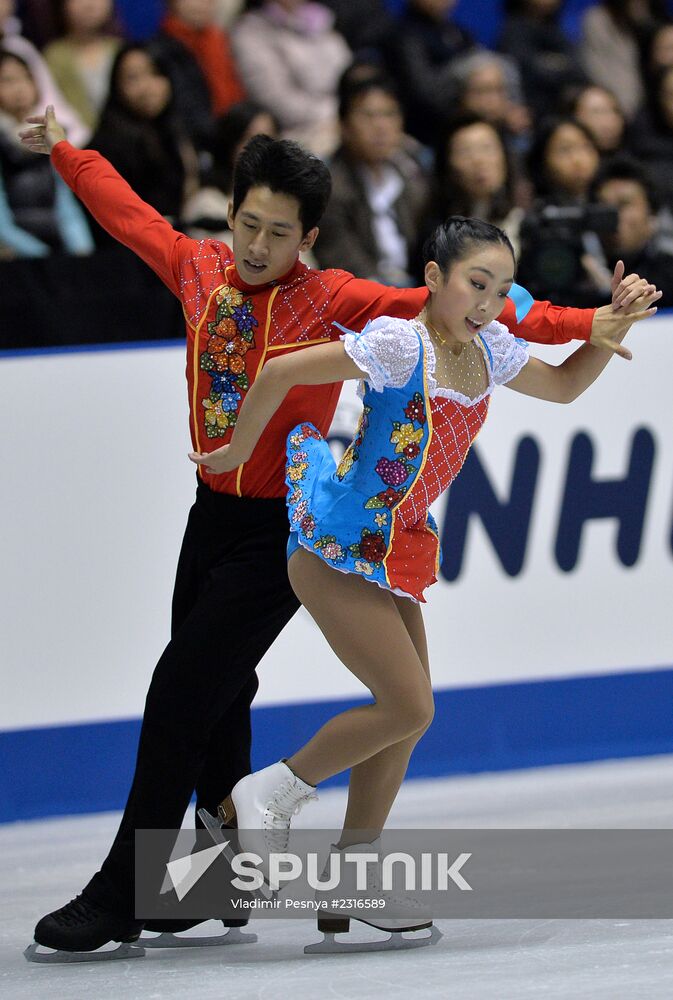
(268, 235)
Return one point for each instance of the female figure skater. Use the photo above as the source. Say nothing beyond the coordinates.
(363, 547)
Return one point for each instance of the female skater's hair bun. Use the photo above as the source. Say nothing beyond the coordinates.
(457, 236)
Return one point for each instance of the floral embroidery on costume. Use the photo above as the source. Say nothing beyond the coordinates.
(364, 567)
(309, 431)
(307, 525)
(346, 463)
(300, 511)
(393, 473)
(386, 498)
(230, 338)
(296, 472)
(372, 547)
(415, 410)
(396, 471)
(330, 548)
(405, 437)
(352, 452)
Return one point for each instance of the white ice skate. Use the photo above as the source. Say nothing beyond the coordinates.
(332, 920)
(261, 806)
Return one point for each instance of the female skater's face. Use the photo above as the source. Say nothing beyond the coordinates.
(268, 235)
(473, 292)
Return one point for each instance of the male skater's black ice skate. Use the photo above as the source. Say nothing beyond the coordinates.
(79, 931)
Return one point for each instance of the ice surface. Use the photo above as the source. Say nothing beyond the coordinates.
(43, 864)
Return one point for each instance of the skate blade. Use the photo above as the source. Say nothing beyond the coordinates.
(234, 935)
(217, 831)
(214, 827)
(31, 954)
(395, 942)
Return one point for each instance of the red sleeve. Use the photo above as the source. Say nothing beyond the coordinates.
(356, 300)
(122, 213)
(545, 323)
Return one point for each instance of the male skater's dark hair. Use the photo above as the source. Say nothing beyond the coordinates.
(285, 168)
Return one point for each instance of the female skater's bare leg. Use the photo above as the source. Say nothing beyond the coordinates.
(367, 813)
(365, 628)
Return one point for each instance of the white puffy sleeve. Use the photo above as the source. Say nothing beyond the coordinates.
(508, 353)
(386, 352)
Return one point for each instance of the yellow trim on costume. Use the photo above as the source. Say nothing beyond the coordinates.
(436, 536)
(487, 360)
(298, 343)
(265, 351)
(186, 318)
(428, 417)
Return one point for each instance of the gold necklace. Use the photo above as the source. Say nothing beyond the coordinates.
(442, 340)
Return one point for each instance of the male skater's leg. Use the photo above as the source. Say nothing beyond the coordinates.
(228, 758)
(245, 603)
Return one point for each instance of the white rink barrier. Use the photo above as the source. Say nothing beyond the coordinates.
(557, 537)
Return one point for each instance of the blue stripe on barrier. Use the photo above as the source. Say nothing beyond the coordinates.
(84, 768)
(122, 345)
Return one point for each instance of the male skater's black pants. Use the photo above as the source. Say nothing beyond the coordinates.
(232, 598)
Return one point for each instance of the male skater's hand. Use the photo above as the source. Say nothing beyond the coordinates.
(625, 290)
(221, 460)
(44, 132)
(632, 296)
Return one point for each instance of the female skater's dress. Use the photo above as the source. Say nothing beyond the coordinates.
(370, 514)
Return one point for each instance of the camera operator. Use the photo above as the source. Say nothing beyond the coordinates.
(643, 238)
(562, 255)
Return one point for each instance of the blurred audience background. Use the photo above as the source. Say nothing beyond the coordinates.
(551, 118)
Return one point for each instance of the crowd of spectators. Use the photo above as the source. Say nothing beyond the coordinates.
(565, 143)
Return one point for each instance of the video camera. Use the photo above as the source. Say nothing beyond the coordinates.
(554, 238)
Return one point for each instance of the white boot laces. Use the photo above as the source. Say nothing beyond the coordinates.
(287, 800)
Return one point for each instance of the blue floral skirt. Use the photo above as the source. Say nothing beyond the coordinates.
(325, 518)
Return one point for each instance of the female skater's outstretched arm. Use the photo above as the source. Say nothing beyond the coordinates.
(311, 366)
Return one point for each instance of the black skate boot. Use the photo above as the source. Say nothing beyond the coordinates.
(78, 929)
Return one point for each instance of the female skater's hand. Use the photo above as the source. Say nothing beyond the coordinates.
(44, 132)
(221, 460)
